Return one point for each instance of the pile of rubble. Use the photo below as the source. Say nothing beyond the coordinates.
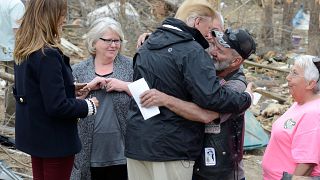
(268, 72)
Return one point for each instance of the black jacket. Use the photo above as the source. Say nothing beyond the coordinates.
(228, 144)
(173, 60)
(46, 108)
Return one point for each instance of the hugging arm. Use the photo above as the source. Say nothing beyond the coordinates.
(188, 110)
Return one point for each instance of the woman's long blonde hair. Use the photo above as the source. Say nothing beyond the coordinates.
(39, 27)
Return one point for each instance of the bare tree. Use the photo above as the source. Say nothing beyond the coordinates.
(267, 27)
(287, 25)
(314, 32)
(87, 6)
(122, 14)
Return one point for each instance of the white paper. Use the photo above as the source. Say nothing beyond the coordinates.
(256, 98)
(137, 88)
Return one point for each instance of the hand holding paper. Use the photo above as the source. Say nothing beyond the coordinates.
(137, 88)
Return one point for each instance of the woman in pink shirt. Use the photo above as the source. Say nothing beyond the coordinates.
(294, 145)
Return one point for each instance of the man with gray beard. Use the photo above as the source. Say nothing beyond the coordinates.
(221, 155)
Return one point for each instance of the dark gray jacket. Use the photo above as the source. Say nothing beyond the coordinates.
(173, 60)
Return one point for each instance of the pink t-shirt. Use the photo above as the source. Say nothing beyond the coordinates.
(295, 138)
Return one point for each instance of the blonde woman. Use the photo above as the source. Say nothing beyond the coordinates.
(47, 109)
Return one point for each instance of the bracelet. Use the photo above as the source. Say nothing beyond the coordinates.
(93, 107)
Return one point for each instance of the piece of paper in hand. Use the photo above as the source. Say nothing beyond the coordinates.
(137, 88)
(256, 98)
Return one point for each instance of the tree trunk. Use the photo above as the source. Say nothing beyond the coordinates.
(122, 14)
(314, 32)
(287, 25)
(267, 27)
(87, 6)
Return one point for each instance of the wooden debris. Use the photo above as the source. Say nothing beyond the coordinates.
(265, 66)
(273, 109)
(71, 47)
(72, 25)
(271, 95)
(6, 173)
(7, 76)
(7, 129)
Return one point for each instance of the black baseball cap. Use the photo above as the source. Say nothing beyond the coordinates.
(316, 61)
(237, 39)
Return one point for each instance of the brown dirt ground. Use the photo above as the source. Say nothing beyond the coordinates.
(252, 163)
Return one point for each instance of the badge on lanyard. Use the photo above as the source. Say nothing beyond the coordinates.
(210, 156)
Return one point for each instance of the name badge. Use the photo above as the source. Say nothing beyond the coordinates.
(210, 156)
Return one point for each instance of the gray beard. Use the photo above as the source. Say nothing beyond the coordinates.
(221, 65)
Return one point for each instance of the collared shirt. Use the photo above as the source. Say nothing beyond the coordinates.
(10, 13)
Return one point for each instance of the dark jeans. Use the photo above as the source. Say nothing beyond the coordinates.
(117, 172)
(52, 168)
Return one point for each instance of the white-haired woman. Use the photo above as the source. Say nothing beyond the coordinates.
(294, 146)
(102, 135)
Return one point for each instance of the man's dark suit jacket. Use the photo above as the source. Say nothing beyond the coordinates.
(46, 107)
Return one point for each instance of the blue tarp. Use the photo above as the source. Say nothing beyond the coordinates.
(255, 137)
(301, 19)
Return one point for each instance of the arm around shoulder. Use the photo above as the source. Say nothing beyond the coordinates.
(204, 86)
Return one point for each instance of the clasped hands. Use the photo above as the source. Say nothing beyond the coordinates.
(109, 84)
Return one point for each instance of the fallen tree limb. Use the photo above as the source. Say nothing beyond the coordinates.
(264, 66)
(71, 47)
(6, 76)
(271, 95)
(6, 130)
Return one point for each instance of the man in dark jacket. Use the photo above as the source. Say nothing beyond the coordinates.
(221, 156)
(173, 60)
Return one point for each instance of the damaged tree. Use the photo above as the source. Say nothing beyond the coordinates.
(287, 25)
(267, 27)
(314, 32)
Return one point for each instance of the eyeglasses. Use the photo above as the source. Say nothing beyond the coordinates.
(110, 41)
(293, 73)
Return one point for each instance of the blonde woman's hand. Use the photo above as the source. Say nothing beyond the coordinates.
(82, 93)
(80, 90)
